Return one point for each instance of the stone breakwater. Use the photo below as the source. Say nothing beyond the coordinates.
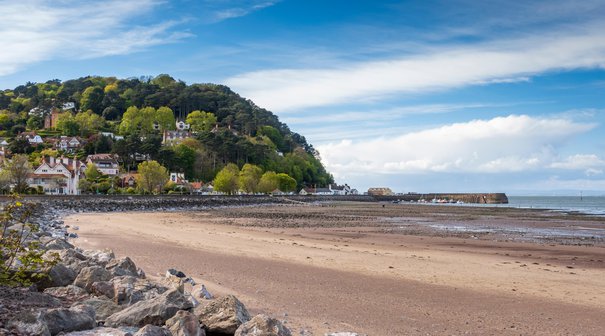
(92, 293)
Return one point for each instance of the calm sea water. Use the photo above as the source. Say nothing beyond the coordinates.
(588, 204)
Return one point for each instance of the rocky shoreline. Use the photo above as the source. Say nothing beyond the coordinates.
(92, 293)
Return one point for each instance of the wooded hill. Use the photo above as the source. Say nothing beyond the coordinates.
(227, 128)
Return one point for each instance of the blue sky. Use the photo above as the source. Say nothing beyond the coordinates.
(425, 96)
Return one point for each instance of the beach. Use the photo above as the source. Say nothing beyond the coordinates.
(379, 269)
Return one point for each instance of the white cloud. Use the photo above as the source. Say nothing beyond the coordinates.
(432, 69)
(34, 30)
(499, 145)
(241, 10)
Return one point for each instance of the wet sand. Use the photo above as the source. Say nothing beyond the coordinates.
(381, 271)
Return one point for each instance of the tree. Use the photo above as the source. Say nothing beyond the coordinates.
(19, 169)
(226, 180)
(92, 173)
(89, 122)
(165, 118)
(35, 122)
(286, 183)
(201, 121)
(20, 146)
(92, 99)
(268, 182)
(152, 176)
(66, 123)
(249, 177)
(185, 159)
(5, 181)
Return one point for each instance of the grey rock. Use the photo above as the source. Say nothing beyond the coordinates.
(124, 266)
(103, 288)
(151, 330)
(155, 311)
(130, 290)
(223, 315)
(68, 293)
(80, 317)
(184, 323)
(61, 275)
(262, 325)
(29, 323)
(100, 331)
(103, 307)
(90, 275)
(102, 257)
(58, 244)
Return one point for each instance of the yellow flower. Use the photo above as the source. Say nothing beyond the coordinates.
(18, 204)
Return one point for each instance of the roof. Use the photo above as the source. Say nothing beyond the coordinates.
(197, 185)
(101, 157)
(32, 175)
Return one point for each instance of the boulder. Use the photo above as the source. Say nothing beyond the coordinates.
(124, 266)
(262, 325)
(73, 259)
(60, 275)
(100, 331)
(68, 293)
(58, 244)
(151, 330)
(224, 315)
(79, 317)
(103, 307)
(130, 290)
(154, 311)
(90, 275)
(101, 258)
(184, 323)
(29, 323)
(103, 288)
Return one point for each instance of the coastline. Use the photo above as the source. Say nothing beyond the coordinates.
(344, 274)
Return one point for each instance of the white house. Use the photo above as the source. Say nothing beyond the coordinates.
(106, 163)
(182, 126)
(58, 176)
(111, 135)
(68, 144)
(32, 137)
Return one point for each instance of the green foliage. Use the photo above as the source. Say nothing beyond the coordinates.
(249, 177)
(92, 99)
(286, 183)
(152, 176)
(92, 173)
(88, 122)
(165, 118)
(201, 121)
(19, 169)
(227, 179)
(67, 124)
(21, 261)
(268, 182)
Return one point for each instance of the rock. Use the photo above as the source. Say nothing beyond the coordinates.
(124, 266)
(80, 317)
(103, 307)
(103, 288)
(224, 315)
(130, 290)
(101, 258)
(100, 331)
(90, 275)
(262, 325)
(203, 294)
(155, 311)
(151, 330)
(58, 244)
(60, 275)
(173, 281)
(73, 259)
(67, 293)
(29, 323)
(184, 323)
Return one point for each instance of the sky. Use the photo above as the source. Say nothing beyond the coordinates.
(419, 96)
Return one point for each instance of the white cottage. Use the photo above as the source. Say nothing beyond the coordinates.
(58, 176)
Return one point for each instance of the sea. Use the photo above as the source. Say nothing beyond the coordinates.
(593, 205)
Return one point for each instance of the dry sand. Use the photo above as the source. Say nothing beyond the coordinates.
(349, 267)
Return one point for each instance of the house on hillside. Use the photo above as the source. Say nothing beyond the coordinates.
(112, 136)
(106, 163)
(340, 190)
(58, 176)
(175, 137)
(68, 144)
(32, 137)
(50, 121)
(128, 180)
(182, 126)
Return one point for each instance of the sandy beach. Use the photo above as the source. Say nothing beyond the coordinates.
(393, 270)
